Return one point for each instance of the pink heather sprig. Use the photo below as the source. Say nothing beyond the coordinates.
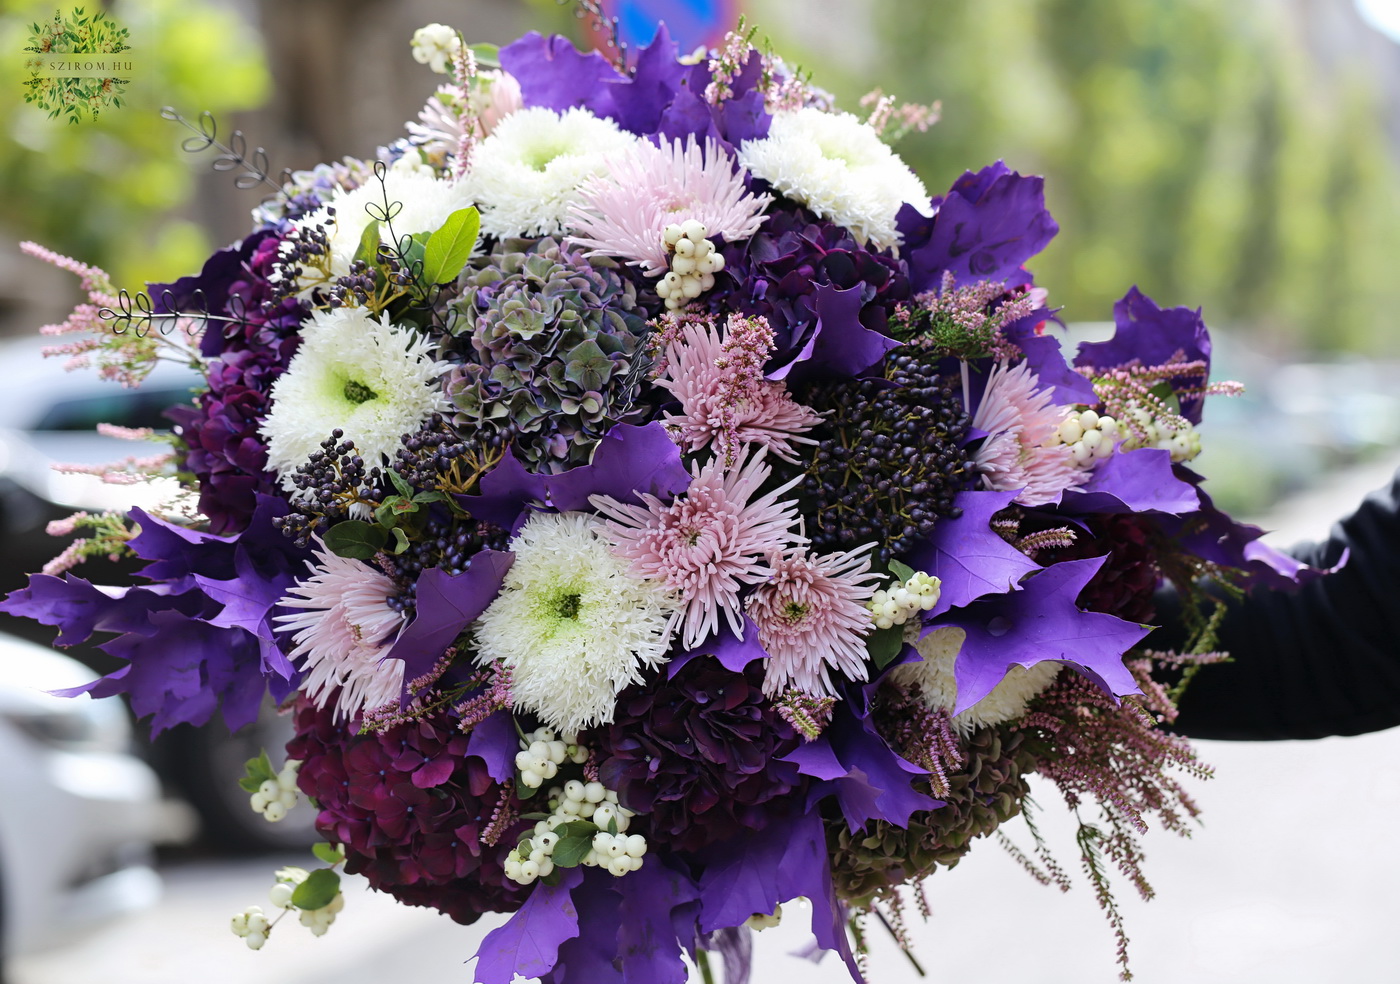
(1030, 544)
(464, 72)
(108, 535)
(807, 714)
(126, 357)
(963, 321)
(926, 736)
(1125, 389)
(502, 818)
(907, 118)
(727, 64)
(419, 705)
(496, 697)
(129, 471)
(783, 90)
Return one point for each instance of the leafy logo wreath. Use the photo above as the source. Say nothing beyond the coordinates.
(75, 69)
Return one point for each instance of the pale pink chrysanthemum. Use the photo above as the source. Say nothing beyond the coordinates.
(811, 618)
(1018, 420)
(707, 544)
(342, 633)
(725, 399)
(625, 212)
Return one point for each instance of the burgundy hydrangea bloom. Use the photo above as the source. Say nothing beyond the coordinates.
(225, 452)
(412, 810)
(773, 274)
(697, 755)
(1125, 584)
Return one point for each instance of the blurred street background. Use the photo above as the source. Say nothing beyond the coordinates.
(1239, 155)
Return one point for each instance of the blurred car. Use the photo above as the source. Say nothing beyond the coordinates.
(51, 417)
(80, 812)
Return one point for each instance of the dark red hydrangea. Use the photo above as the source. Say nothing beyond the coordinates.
(773, 273)
(410, 807)
(225, 452)
(1125, 584)
(698, 755)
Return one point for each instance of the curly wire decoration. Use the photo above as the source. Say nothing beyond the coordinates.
(605, 26)
(232, 155)
(395, 252)
(137, 313)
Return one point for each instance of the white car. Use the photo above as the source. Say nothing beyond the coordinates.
(79, 813)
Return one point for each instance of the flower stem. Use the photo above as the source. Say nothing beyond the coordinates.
(702, 960)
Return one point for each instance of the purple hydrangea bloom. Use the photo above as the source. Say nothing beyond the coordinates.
(412, 810)
(220, 429)
(698, 755)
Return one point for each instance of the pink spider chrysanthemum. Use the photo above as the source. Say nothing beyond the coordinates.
(342, 632)
(811, 618)
(725, 399)
(1018, 420)
(625, 212)
(708, 543)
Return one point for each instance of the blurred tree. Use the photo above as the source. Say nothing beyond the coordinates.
(108, 191)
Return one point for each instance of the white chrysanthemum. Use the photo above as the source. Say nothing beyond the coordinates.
(840, 169)
(418, 201)
(934, 676)
(528, 172)
(363, 375)
(572, 623)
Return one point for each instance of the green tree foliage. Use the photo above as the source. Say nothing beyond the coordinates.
(1193, 147)
(107, 191)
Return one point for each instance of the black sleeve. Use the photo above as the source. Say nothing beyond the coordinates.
(1324, 660)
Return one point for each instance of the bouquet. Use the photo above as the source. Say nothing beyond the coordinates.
(653, 506)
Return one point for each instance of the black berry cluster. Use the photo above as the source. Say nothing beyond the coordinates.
(889, 461)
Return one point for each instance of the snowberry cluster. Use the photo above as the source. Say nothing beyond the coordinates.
(904, 600)
(1090, 437)
(759, 922)
(1176, 435)
(541, 754)
(316, 920)
(276, 796)
(619, 852)
(252, 926)
(694, 263)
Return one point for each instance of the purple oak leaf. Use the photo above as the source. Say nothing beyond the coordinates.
(79, 608)
(447, 604)
(1040, 622)
(528, 944)
(1133, 481)
(495, 742)
(554, 74)
(249, 598)
(646, 937)
(968, 556)
(733, 652)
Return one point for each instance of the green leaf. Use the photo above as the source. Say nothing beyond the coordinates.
(401, 484)
(451, 246)
(487, 55)
(884, 645)
(388, 512)
(431, 496)
(400, 541)
(356, 539)
(256, 772)
(902, 571)
(577, 828)
(329, 853)
(570, 851)
(368, 250)
(318, 891)
(535, 816)
(612, 826)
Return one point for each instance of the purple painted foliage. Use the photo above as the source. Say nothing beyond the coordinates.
(1041, 621)
(1149, 335)
(988, 225)
(657, 95)
(225, 452)
(198, 641)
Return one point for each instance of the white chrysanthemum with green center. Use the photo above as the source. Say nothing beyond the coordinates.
(935, 678)
(528, 172)
(417, 201)
(372, 380)
(840, 169)
(572, 623)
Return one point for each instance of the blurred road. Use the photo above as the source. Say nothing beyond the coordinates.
(1289, 881)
